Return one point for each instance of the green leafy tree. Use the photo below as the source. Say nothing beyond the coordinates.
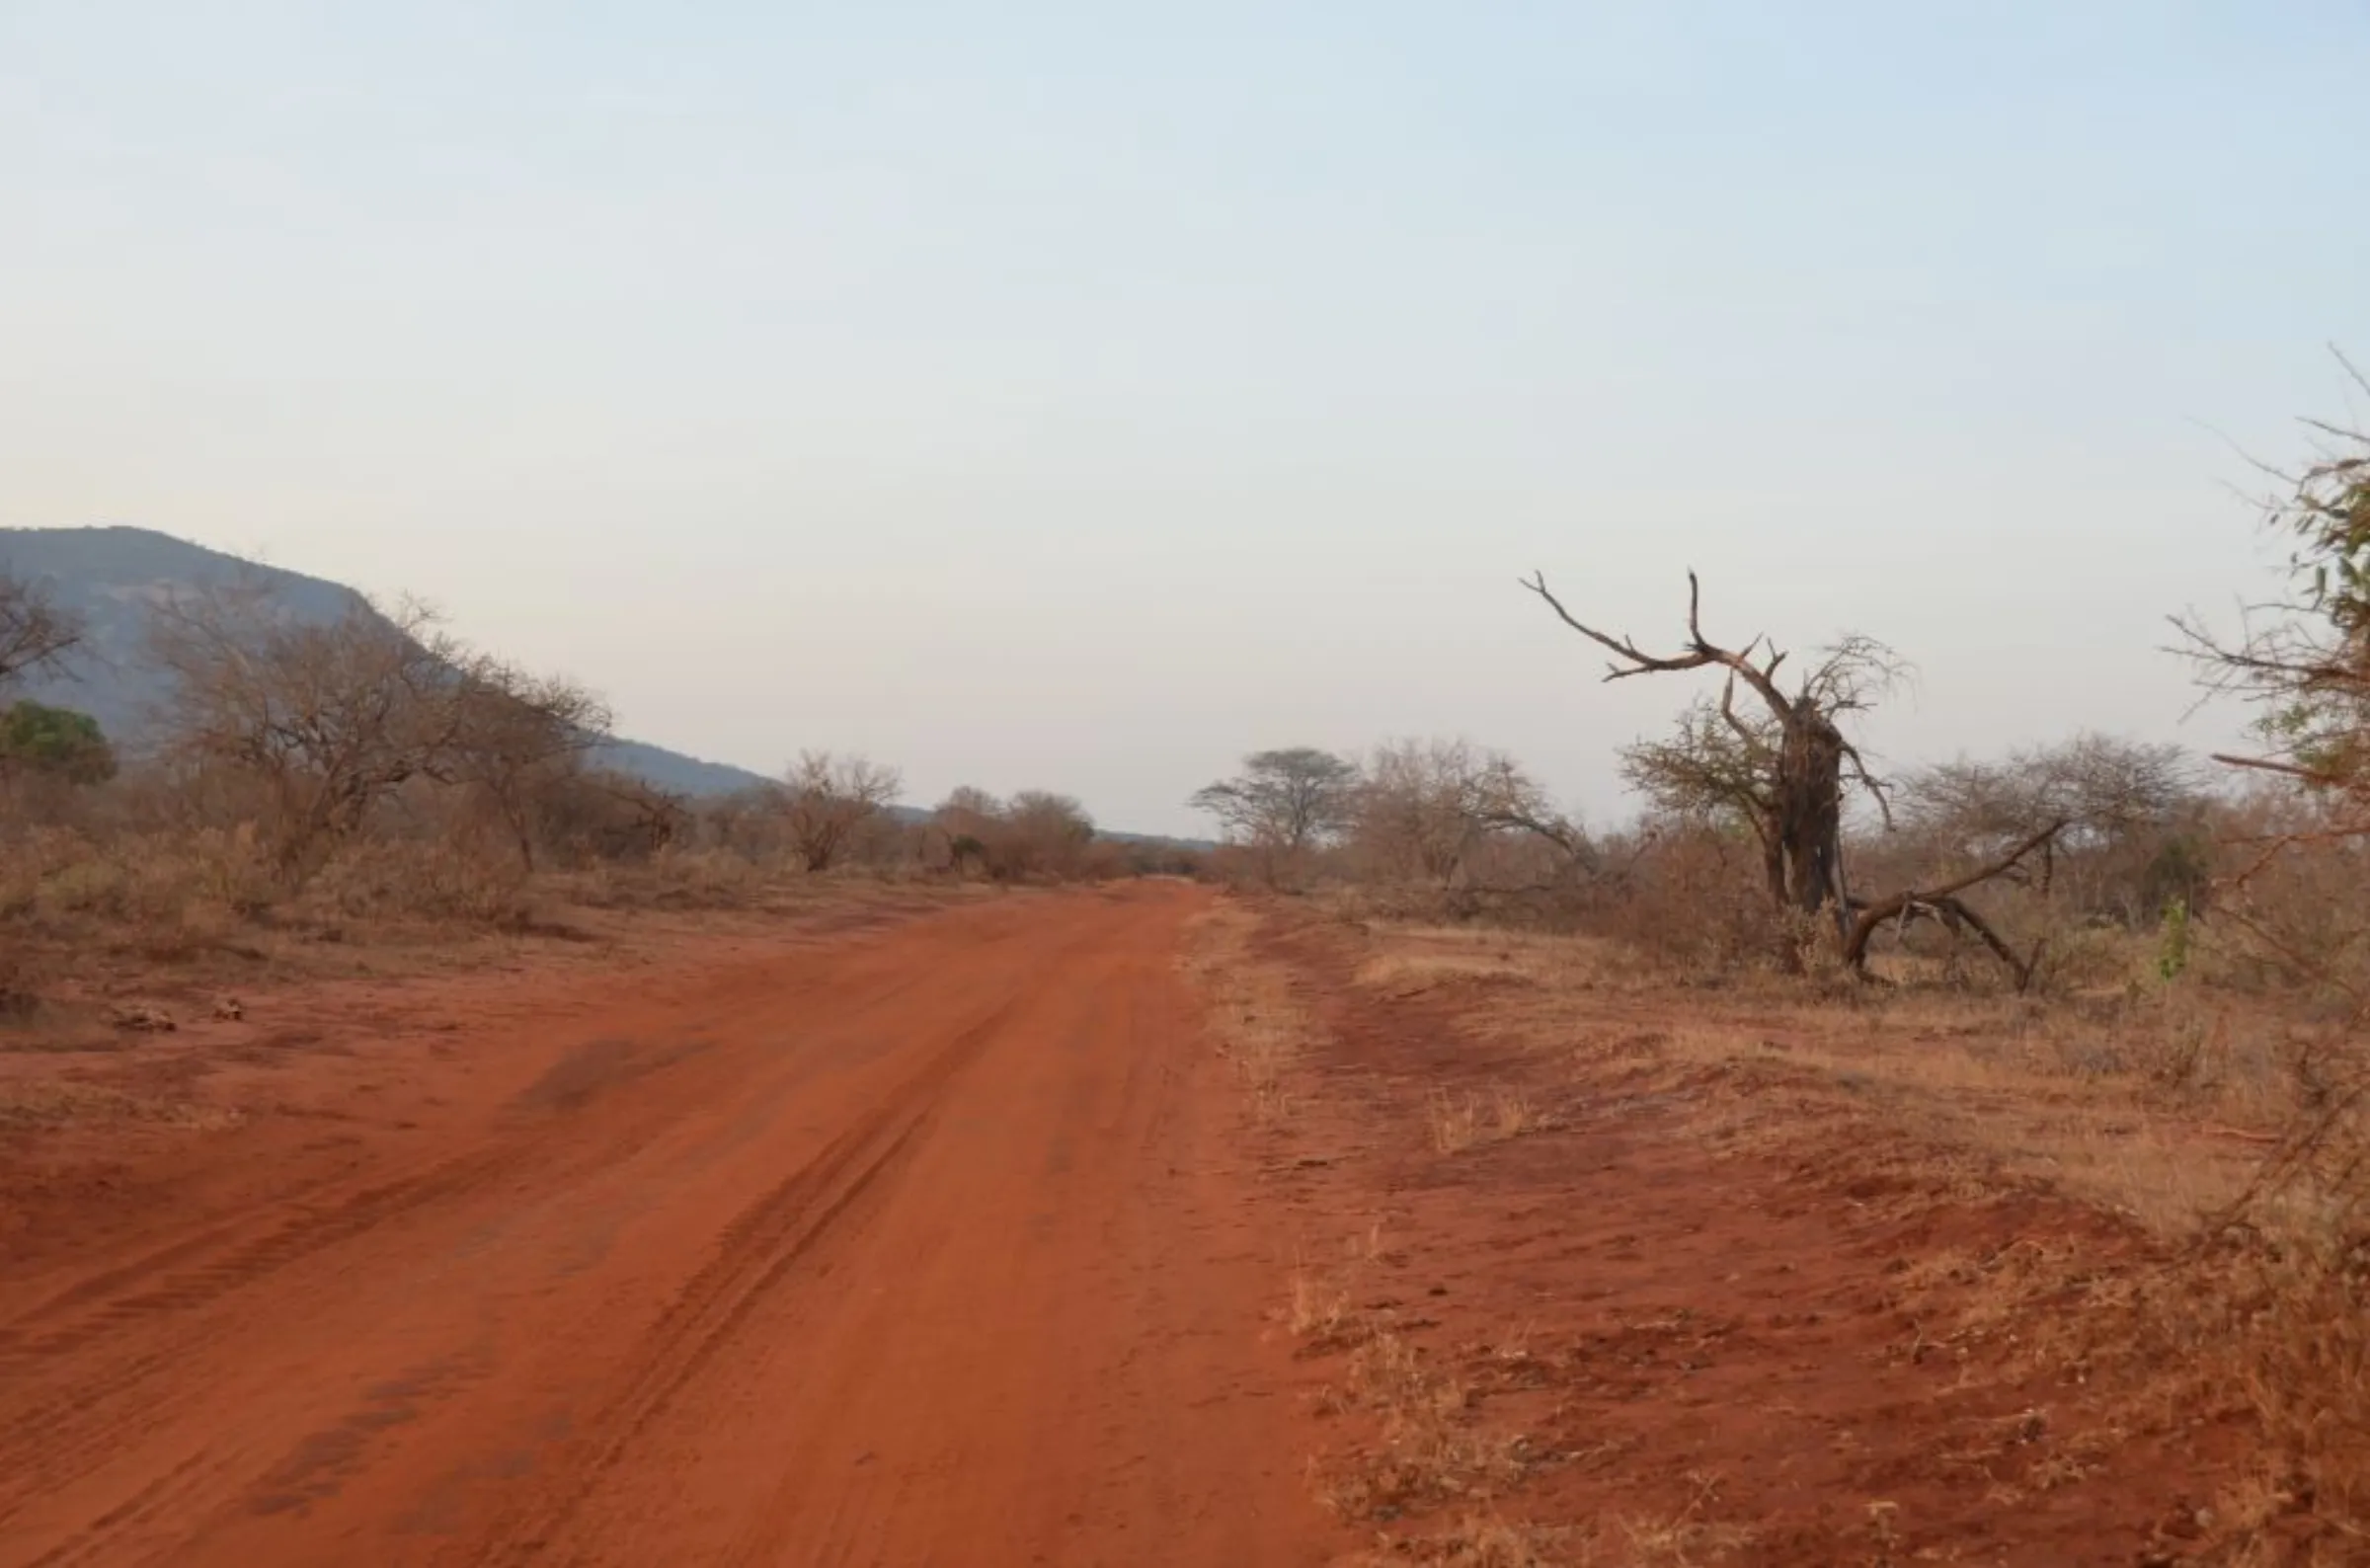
(2305, 658)
(54, 743)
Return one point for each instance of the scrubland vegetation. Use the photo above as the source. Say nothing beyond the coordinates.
(2107, 968)
(2131, 977)
(373, 781)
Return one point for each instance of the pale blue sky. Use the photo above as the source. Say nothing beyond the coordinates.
(1082, 395)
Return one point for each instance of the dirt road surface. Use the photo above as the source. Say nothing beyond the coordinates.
(910, 1246)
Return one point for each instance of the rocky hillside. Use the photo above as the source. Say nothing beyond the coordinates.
(110, 577)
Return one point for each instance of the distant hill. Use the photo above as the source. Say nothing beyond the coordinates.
(110, 577)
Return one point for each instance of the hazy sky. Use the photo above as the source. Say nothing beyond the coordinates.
(1082, 395)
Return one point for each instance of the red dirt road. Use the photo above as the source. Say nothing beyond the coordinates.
(916, 1246)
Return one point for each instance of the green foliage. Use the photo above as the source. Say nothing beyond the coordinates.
(2172, 941)
(57, 742)
(2321, 714)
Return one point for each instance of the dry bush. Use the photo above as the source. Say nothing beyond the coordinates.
(1036, 836)
(2270, 1321)
(379, 880)
(1478, 1541)
(1692, 900)
(1427, 1449)
(62, 875)
(2290, 1331)
(829, 802)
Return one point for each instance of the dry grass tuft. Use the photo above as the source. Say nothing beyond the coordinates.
(1321, 1313)
(54, 1101)
(1455, 1120)
(1477, 1541)
(1459, 1121)
(1428, 1450)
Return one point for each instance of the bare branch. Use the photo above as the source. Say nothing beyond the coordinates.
(34, 632)
(1702, 652)
(1877, 911)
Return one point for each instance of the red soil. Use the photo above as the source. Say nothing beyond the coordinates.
(951, 1242)
(1710, 1356)
(916, 1246)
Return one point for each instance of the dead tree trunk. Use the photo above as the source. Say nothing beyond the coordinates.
(1794, 796)
(1810, 802)
(1804, 812)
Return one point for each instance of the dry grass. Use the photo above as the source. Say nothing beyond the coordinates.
(1259, 1027)
(2276, 1323)
(1319, 1312)
(55, 1103)
(1684, 1542)
(2156, 1104)
(2151, 1100)
(1459, 1121)
(1481, 1540)
(1455, 1120)
(1427, 1450)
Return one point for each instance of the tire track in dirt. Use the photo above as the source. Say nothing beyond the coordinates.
(759, 1247)
(942, 1192)
(143, 1333)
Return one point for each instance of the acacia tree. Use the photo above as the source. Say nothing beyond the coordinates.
(1783, 766)
(2304, 661)
(1286, 801)
(830, 800)
(2133, 840)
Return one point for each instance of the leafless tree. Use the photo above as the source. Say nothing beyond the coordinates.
(1424, 807)
(36, 633)
(1037, 833)
(515, 736)
(829, 802)
(330, 718)
(1782, 768)
(1786, 765)
(599, 813)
